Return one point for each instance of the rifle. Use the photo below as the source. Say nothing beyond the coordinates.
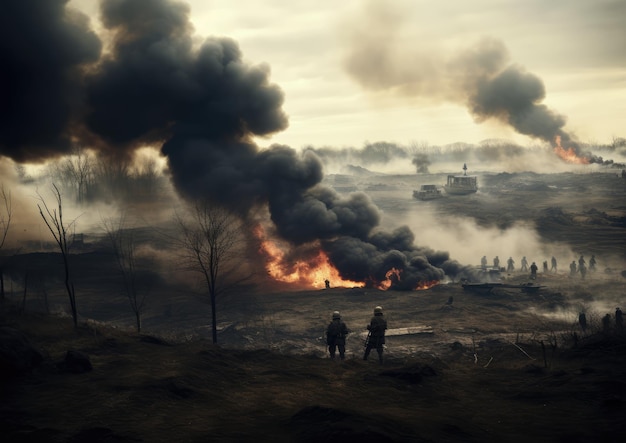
(367, 339)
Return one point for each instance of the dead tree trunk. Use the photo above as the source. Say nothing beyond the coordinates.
(24, 293)
(54, 220)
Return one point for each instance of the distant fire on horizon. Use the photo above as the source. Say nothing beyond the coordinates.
(568, 154)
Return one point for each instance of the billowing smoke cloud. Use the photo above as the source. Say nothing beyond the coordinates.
(203, 104)
(156, 86)
(43, 49)
(513, 95)
(208, 103)
(370, 261)
(421, 162)
(480, 76)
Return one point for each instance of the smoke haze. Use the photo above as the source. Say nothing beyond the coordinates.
(384, 60)
(470, 242)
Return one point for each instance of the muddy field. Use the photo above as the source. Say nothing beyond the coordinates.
(525, 214)
(294, 322)
(499, 365)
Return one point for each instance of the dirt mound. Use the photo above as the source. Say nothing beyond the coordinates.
(317, 423)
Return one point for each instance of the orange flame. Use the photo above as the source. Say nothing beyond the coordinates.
(311, 273)
(390, 276)
(423, 285)
(569, 155)
(315, 271)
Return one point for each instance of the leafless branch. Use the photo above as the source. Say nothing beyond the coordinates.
(124, 247)
(53, 218)
(210, 236)
(5, 214)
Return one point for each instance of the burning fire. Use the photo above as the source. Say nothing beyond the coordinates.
(569, 155)
(423, 285)
(394, 274)
(390, 276)
(313, 272)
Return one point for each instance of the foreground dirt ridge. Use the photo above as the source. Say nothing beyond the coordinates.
(143, 388)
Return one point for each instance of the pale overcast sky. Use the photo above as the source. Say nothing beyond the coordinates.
(336, 94)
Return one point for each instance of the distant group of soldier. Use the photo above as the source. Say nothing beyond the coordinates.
(337, 332)
(581, 267)
(606, 321)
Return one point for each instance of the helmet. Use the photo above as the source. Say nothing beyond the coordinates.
(378, 310)
(336, 314)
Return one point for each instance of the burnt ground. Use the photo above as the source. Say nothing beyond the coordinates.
(504, 365)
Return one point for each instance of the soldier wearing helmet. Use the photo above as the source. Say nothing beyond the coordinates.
(376, 336)
(336, 334)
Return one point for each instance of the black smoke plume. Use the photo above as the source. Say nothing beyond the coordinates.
(201, 103)
(421, 162)
(156, 86)
(370, 260)
(44, 48)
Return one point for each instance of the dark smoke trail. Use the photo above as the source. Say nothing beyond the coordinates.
(479, 77)
(421, 163)
(513, 95)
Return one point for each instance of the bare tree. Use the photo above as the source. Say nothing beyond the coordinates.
(76, 172)
(5, 224)
(113, 176)
(54, 220)
(124, 246)
(211, 237)
(146, 177)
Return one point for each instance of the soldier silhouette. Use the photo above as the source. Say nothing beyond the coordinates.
(510, 265)
(592, 263)
(524, 264)
(582, 321)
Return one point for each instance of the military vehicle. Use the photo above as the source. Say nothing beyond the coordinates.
(428, 192)
(461, 184)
